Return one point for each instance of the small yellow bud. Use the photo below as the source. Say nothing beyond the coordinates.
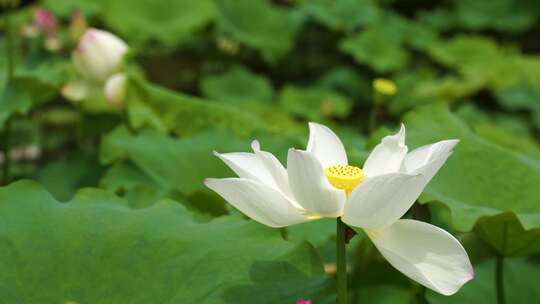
(384, 86)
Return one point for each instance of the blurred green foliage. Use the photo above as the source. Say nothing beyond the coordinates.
(215, 74)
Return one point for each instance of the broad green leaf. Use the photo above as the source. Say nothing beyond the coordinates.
(97, 249)
(141, 190)
(520, 284)
(347, 81)
(385, 294)
(259, 24)
(122, 177)
(167, 22)
(481, 179)
(440, 18)
(31, 86)
(163, 109)
(314, 103)
(482, 61)
(63, 177)
(378, 48)
(381, 45)
(408, 86)
(180, 164)
(507, 138)
(22, 93)
(342, 14)
(65, 8)
(237, 85)
(463, 51)
(502, 15)
(505, 233)
(316, 232)
(521, 97)
(498, 127)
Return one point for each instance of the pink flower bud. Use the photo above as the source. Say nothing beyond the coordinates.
(302, 301)
(45, 21)
(99, 55)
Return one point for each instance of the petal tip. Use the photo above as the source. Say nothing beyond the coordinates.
(401, 134)
(255, 145)
(454, 142)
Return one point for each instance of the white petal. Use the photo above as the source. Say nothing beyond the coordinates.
(259, 202)
(274, 167)
(326, 146)
(419, 159)
(111, 47)
(387, 156)
(426, 254)
(310, 186)
(88, 65)
(380, 201)
(248, 165)
(76, 90)
(116, 89)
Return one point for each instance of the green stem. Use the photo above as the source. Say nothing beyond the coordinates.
(341, 263)
(499, 276)
(378, 101)
(6, 149)
(421, 212)
(10, 55)
(372, 123)
(125, 120)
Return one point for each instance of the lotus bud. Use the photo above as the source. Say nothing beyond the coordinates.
(75, 90)
(53, 44)
(384, 86)
(115, 90)
(45, 21)
(99, 55)
(77, 25)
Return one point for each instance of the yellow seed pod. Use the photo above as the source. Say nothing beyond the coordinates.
(344, 177)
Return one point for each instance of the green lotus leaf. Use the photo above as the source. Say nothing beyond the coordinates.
(518, 280)
(167, 22)
(342, 14)
(97, 249)
(260, 24)
(167, 110)
(481, 182)
(237, 85)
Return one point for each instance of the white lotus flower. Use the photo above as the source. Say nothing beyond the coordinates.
(318, 182)
(99, 55)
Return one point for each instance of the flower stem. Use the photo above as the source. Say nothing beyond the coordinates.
(499, 279)
(10, 55)
(6, 149)
(372, 123)
(378, 101)
(125, 120)
(341, 263)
